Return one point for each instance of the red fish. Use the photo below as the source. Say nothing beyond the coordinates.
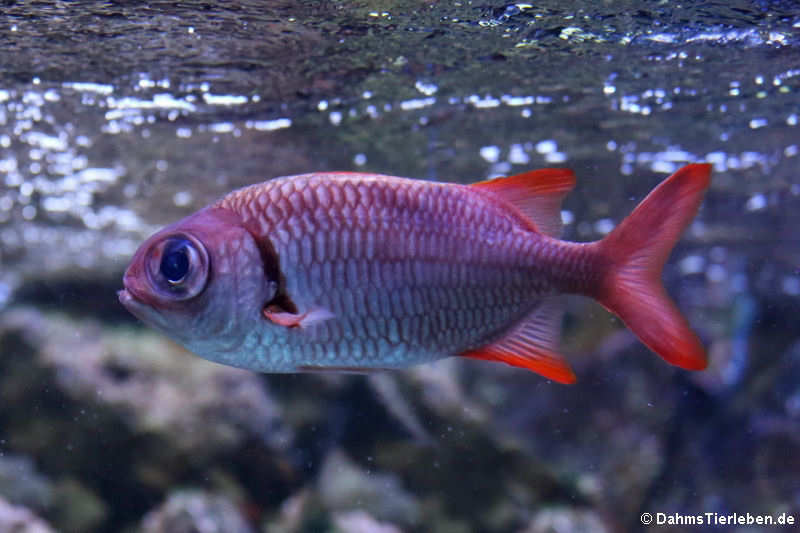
(350, 271)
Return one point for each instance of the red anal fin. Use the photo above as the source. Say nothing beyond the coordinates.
(548, 364)
(537, 195)
(532, 345)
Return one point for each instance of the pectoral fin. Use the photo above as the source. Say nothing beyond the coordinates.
(281, 317)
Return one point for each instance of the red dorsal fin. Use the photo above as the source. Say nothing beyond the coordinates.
(532, 344)
(537, 195)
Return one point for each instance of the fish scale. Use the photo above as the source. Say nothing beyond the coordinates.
(412, 228)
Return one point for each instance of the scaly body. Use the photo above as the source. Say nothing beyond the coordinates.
(409, 270)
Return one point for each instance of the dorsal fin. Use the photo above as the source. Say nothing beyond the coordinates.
(536, 194)
(532, 344)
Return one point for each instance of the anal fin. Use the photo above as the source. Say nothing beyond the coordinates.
(532, 344)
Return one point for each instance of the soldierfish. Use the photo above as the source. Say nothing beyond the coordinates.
(354, 272)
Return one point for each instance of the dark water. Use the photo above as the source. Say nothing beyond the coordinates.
(116, 118)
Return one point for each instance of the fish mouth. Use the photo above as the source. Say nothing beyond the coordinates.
(138, 306)
(129, 302)
(125, 297)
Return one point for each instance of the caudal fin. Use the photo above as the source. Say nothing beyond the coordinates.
(635, 253)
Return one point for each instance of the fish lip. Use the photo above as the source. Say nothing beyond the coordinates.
(129, 296)
(130, 302)
(138, 308)
(125, 297)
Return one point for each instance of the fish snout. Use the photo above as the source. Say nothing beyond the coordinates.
(136, 292)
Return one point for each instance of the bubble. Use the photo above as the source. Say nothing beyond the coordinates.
(417, 103)
(517, 155)
(692, 264)
(269, 125)
(426, 88)
(791, 285)
(490, 154)
(716, 273)
(222, 127)
(182, 198)
(224, 99)
(547, 146)
(604, 226)
(756, 202)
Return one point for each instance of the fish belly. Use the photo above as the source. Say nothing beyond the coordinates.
(409, 271)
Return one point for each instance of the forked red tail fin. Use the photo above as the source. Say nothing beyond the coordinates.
(635, 253)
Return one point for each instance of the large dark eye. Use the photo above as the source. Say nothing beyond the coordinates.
(178, 267)
(175, 262)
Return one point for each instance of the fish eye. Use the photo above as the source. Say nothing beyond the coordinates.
(175, 262)
(178, 267)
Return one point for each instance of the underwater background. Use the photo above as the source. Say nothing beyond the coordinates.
(117, 118)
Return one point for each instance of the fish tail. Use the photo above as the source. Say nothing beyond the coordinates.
(634, 254)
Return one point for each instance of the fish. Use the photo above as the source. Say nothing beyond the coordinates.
(357, 272)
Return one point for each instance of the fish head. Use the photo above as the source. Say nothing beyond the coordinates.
(201, 281)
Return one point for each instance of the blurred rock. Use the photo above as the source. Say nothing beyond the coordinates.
(566, 520)
(78, 508)
(293, 513)
(387, 391)
(67, 503)
(194, 511)
(344, 486)
(22, 484)
(111, 411)
(440, 389)
(159, 387)
(361, 522)
(18, 519)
